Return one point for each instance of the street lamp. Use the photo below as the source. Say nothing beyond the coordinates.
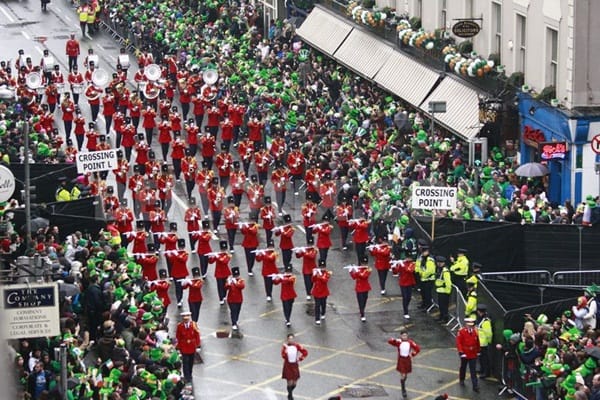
(435, 107)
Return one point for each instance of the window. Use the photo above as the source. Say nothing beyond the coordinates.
(551, 57)
(496, 28)
(419, 9)
(521, 42)
(444, 14)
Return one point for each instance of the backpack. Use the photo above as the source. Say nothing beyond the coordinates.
(77, 304)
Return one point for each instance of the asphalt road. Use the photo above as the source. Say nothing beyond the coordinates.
(346, 356)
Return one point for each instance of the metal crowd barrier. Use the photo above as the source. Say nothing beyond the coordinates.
(576, 278)
(541, 277)
(456, 316)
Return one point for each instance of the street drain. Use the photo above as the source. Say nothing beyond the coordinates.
(360, 390)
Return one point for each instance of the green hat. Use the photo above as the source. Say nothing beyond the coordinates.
(120, 293)
(404, 220)
(132, 309)
(156, 354)
(147, 316)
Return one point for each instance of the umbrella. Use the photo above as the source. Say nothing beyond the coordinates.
(532, 169)
(593, 352)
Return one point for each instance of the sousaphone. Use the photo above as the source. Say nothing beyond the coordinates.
(33, 80)
(210, 76)
(152, 72)
(100, 77)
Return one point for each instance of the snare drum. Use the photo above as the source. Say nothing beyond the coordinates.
(77, 88)
(60, 87)
(48, 63)
(142, 86)
(40, 90)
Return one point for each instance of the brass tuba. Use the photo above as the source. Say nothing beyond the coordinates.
(33, 80)
(100, 77)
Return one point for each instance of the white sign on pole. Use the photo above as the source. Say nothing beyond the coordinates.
(30, 310)
(93, 161)
(434, 198)
(7, 183)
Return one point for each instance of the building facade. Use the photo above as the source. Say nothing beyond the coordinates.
(556, 46)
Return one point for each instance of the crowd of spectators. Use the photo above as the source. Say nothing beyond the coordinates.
(343, 123)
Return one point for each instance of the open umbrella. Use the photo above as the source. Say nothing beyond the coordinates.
(532, 169)
(593, 352)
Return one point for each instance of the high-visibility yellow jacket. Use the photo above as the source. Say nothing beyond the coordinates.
(471, 306)
(426, 272)
(460, 266)
(83, 14)
(485, 331)
(443, 283)
(62, 194)
(91, 17)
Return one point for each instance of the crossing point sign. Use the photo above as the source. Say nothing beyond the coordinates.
(434, 198)
(93, 161)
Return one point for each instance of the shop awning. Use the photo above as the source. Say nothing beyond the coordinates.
(462, 107)
(406, 78)
(324, 30)
(363, 53)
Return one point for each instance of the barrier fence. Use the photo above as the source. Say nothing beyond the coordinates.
(543, 277)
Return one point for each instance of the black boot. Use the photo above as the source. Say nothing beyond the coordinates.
(403, 383)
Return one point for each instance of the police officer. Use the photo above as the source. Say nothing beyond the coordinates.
(460, 269)
(425, 271)
(62, 193)
(443, 287)
(484, 329)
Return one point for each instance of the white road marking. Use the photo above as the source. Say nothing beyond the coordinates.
(67, 18)
(100, 47)
(179, 200)
(300, 227)
(7, 15)
(25, 35)
(39, 50)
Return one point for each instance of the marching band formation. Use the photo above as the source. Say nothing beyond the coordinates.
(224, 180)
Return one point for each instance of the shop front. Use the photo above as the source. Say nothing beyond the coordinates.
(560, 139)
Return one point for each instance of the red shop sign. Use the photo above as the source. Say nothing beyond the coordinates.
(533, 137)
(553, 150)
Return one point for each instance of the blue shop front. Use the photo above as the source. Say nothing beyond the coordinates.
(560, 139)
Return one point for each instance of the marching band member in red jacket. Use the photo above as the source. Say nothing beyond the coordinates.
(309, 263)
(286, 244)
(194, 286)
(361, 235)
(407, 349)
(296, 161)
(320, 290)
(268, 257)
(170, 240)
(192, 218)
(361, 274)
(234, 286)
(309, 216)
(249, 243)
(231, 214)
(203, 237)
(180, 270)
(224, 162)
(382, 253)
(343, 213)
(288, 293)
(161, 287)
(279, 179)
(237, 179)
(148, 262)
(139, 237)
(405, 269)
(222, 271)
(267, 214)
(323, 231)
(255, 193)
